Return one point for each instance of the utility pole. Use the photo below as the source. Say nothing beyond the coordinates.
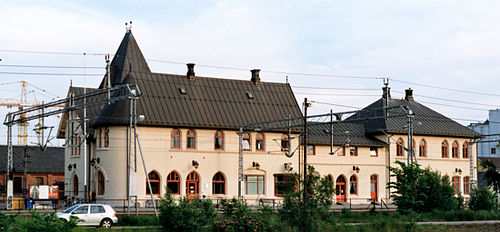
(240, 161)
(410, 156)
(306, 105)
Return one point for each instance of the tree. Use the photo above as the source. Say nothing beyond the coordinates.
(421, 190)
(305, 213)
(492, 178)
(187, 215)
(481, 199)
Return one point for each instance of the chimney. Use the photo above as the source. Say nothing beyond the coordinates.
(255, 76)
(386, 92)
(190, 72)
(409, 94)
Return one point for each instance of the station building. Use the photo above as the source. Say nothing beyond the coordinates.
(190, 143)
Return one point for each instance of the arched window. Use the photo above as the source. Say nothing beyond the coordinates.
(100, 183)
(175, 139)
(444, 149)
(399, 147)
(218, 184)
(422, 148)
(466, 185)
(174, 183)
(75, 185)
(259, 142)
(219, 140)
(285, 142)
(154, 179)
(353, 185)
(455, 181)
(246, 142)
(190, 139)
(465, 150)
(454, 150)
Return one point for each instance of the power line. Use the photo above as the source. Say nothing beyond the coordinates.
(450, 100)
(444, 88)
(51, 74)
(340, 94)
(54, 53)
(328, 88)
(48, 66)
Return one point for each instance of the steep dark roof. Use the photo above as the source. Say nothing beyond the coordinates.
(127, 58)
(48, 161)
(426, 120)
(207, 103)
(319, 134)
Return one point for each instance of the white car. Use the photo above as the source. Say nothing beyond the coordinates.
(91, 215)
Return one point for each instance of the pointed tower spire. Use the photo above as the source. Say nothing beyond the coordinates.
(128, 58)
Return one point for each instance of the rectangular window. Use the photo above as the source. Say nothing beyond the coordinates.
(353, 151)
(106, 137)
(254, 184)
(281, 183)
(493, 150)
(284, 145)
(99, 137)
(373, 151)
(311, 149)
(246, 144)
(97, 209)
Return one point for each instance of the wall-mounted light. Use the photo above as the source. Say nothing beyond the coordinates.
(74, 165)
(70, 167)
(256, 165)
(288, 166)
(95, 161)
(458, 170)
(195, 164)
(355, 169)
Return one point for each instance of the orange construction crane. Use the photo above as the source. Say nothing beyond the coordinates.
(21, 101)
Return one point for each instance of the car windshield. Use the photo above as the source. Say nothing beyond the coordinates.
(68, 210)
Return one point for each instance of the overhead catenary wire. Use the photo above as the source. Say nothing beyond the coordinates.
(49, 66)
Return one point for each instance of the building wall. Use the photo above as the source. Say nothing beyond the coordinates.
(489, 145)
(159, 156)
(48, 178)
(434, 160)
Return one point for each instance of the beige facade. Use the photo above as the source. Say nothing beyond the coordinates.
(160, 157)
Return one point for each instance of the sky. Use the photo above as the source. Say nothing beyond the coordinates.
(334, 52)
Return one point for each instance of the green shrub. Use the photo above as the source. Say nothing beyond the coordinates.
(35, 223)
(141, 220)
(234, 208)
(187, 215)
(481, 199)
(305, 214)
(242, 224)
(421, 190)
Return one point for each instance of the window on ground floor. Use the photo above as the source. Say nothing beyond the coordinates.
(254, 184)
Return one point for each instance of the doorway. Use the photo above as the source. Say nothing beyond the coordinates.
(192, 185)
(340, 187)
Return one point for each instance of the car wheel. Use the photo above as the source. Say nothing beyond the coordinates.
(63, 220)
(106, 223)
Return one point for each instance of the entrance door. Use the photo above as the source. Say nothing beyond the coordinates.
(373, 187)
(192, 186)
(340, 188)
